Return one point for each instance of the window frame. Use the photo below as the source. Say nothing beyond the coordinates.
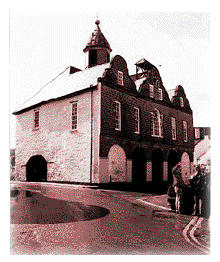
(74, 117)
(120, 78)
(117, 115)
(156, 122)
(160, 94)
(173, 128)
(185, 131)
(137, 120)
(36, 127)
(181, 102)
(151, 91)
(197, 133)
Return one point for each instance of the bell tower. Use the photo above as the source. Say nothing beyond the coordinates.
(98, 49)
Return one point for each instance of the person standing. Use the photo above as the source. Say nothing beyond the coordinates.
(196, 184)
(178, 185)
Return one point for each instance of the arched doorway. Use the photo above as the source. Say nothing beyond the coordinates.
(117, 164)
(36, 169)
(157, 166)
(172, 161)
(138, 166)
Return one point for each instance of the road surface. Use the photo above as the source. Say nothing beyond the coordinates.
(66, 219)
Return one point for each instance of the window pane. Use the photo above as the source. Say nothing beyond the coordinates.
(36, 119)
(117, 115)
(120, 78)
(151, 91)
(74, 116)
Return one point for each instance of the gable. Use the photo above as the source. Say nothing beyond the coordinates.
(151, 77)
(66, 84)
(110, 76)
(179, 94)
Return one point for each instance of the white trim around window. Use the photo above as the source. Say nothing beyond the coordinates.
(151, 91)
(137, 120)
(173, 127)
(160, 93)
(156, 123)
(197, 133)
(181, 102)
(117, 116)
(120, 78)
(185, 133)
(74, 116)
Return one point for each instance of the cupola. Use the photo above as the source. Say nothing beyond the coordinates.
(98, 48)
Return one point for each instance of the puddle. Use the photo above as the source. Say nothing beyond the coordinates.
(33, 208)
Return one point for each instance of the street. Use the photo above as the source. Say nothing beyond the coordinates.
(93, 221)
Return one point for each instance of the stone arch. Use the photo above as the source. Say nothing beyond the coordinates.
(117, 164)
(172, 161)
(36, 169)
(138, 166)
(157, 166)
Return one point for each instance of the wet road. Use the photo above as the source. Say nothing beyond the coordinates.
(66, 219)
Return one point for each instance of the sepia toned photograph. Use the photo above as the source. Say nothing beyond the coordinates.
(110, 133)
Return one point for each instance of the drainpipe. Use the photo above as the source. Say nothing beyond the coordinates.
(91, 145)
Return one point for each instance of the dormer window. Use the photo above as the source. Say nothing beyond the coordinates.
(120, 78)
(181, 102)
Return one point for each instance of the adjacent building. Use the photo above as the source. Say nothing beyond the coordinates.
(101, 125)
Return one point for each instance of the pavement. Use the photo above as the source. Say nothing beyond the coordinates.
(201, 233)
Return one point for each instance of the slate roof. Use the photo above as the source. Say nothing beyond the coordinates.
(64, 85)
(97, 39)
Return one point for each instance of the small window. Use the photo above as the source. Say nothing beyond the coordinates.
(117, 116)
(120, 78)
(197, 133)
(74, 114)
(185, 135)
(181, 102)
(36, 119)
(137, 120)
(173, 126)
(107, 57)
(160, 93)
(151, 91)
(92, 57)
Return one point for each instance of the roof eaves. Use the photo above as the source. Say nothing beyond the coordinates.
(82, 91)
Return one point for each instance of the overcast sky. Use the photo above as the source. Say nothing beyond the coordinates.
(42, 45)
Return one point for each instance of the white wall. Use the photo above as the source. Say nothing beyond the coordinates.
(68, 152)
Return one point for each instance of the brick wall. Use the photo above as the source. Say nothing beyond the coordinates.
(109, 95)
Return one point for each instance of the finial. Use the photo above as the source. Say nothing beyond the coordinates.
(97, 22)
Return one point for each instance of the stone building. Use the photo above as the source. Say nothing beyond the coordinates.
(101, 125)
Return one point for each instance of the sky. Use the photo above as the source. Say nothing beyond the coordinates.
(43, 44)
